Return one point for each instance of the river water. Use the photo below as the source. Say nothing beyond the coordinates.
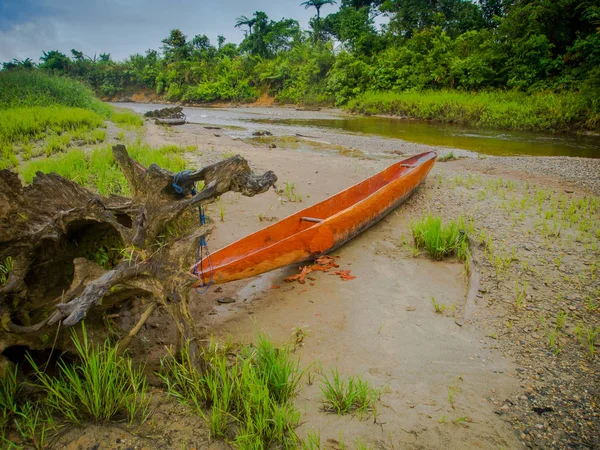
(241, 122)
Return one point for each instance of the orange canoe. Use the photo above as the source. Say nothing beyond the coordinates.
(317, 229)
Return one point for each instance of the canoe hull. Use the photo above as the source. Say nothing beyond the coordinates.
(290, 241)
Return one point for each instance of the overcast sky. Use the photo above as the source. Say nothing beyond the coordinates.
(124, 27)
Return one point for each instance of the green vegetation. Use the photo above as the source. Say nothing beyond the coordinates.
(353, 394)
(46, 114)
(101, 386)
(58, 125)
(99, 169)
(545, 111)
(527, 64)
(28, 418)
(5, 268)
(247, 399)
(438, 239)
(10, 391)
(289, 193)
(438, 308)
(33, 123)
(447, 157)
(23, 88)
(124, 117)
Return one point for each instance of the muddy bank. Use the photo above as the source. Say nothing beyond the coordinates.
(447, 381)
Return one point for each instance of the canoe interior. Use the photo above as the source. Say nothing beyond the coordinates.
(323, 210)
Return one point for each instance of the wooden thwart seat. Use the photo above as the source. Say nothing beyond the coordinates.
(311, 219)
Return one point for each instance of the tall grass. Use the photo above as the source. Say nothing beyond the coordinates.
(36, 88)
(19, 413)
(99, 170)
(126, 118)
(32, 123)
(102, 385)
(545, 111)
(245, 396)
(10, 391)
(439, 239)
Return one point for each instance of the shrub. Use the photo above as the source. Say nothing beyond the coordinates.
(22, 88)
(545, 111)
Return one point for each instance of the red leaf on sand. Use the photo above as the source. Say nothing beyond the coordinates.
(322, 264)
(344, 275)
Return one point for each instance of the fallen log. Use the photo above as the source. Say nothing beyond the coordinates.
(170, 121)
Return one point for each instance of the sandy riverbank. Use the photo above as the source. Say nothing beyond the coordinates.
(485, 376)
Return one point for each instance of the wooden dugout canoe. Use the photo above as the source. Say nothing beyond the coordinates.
(320, 228)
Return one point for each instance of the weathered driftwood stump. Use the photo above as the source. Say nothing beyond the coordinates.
(43, 225)
(167, 116)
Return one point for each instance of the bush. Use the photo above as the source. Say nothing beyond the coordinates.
(22, 88)
(501, 109)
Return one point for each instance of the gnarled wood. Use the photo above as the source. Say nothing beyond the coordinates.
(42, 224)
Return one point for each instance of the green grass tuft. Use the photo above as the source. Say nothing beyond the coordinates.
(348, 395)
(244, 396)
(439, 239)
(18, 413)
(447, 157)
(101, 386)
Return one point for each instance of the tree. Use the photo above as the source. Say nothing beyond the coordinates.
(220, 41)
(26, 64)
(454, 16)
(353, 27)
(244, 21)
(317, 4)
(77, 55)
(270, 37)
(55, 61)
(175, 46)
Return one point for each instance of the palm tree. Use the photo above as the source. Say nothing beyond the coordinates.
(317, 4)
(245, 21)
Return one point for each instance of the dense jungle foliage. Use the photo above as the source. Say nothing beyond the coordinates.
(366, 47)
